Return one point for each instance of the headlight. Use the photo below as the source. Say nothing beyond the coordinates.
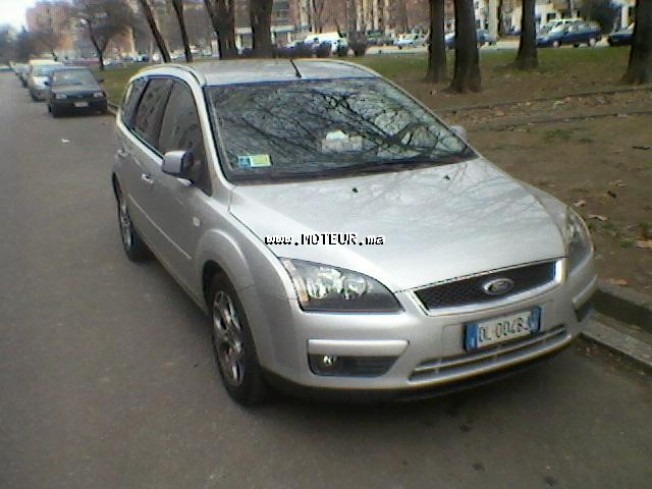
(322, 288)
(99, 95)
(60, 96)
(578, 240)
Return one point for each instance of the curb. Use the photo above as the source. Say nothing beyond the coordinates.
(627, 306)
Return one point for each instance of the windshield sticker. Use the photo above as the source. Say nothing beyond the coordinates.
(254, 161)
(339, 142)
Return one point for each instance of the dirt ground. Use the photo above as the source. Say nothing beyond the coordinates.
(592, 152)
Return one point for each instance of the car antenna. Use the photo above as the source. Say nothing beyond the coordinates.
(296, 70)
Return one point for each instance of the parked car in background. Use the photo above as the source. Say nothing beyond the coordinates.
(39, 71)
(410, 41)
(573, 34)
(75, 90)
(483, 37)
(622, 37)
(324, 40)
(343, 240)
(22, 72)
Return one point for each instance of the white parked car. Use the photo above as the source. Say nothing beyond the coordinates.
(343, 240)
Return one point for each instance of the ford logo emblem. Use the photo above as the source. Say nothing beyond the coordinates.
(498, 286)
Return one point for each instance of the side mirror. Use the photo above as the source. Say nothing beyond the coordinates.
(48, 83)
(460, 131)
(100, 80)
(178, 164)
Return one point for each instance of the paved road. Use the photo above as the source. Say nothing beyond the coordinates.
(107, 377)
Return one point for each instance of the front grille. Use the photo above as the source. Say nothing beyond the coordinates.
(461, 365)
(469, 290)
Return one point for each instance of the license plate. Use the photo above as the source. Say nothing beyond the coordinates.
(81, 104)
(499, 330)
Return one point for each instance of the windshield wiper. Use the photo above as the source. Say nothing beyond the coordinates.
(415, 162)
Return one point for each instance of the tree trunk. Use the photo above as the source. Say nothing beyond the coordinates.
(260, 14)
(93, 39)
(178, 10)
(222, 16)
(527, 58)
(467, 60)
(437, 71)
(158, 38)
(639, 70)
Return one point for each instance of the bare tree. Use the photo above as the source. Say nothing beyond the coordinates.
(158, 38)
(437, 69)
(103, 20)
(260, 14)
(639, 70)
(317, 14)
(178, 10)
(46, 38)
(467, 60)
(527, 57)
(222, 14)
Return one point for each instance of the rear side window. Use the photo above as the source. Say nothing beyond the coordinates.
(147, 121)
(131, 99)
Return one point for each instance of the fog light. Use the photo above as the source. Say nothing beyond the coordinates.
(345, 366)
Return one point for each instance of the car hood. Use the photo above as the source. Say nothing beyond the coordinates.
(435, 223)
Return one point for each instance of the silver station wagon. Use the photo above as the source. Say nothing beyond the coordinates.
(344, 240)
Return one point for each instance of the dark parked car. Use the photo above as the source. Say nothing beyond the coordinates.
(573, 34)
(622, 37)
(74, 90)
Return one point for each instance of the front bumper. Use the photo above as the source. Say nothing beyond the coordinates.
(413, 351)
(79, 104)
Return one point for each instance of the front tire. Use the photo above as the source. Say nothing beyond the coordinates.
(556, 44)
(135, 248)
(233, 343)
(592, 42)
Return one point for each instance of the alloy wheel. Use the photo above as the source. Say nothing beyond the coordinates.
(228, 339)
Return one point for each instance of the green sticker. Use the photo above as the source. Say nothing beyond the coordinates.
(254, 161)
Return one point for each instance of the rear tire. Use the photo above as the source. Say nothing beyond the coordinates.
(135, 248)
(233, 344)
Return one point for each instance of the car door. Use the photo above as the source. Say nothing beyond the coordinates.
(180, 203)
(140, 148)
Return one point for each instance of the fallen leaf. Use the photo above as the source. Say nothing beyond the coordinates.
(580, 203)
(598, 217)
(644, 148)
(612, 194)
(644, 244)
(617, 183)
(617, 281)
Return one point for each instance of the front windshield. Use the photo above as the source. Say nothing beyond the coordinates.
(310, 129)
(73, 77)
(45, 70)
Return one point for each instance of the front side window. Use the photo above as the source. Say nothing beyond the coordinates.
(312, 129)
(181, 130)
(147, 122)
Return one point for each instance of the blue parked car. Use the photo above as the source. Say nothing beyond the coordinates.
(622, 37)
(574, 34)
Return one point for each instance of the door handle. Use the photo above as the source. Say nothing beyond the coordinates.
(121, 153)
(147, 179)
